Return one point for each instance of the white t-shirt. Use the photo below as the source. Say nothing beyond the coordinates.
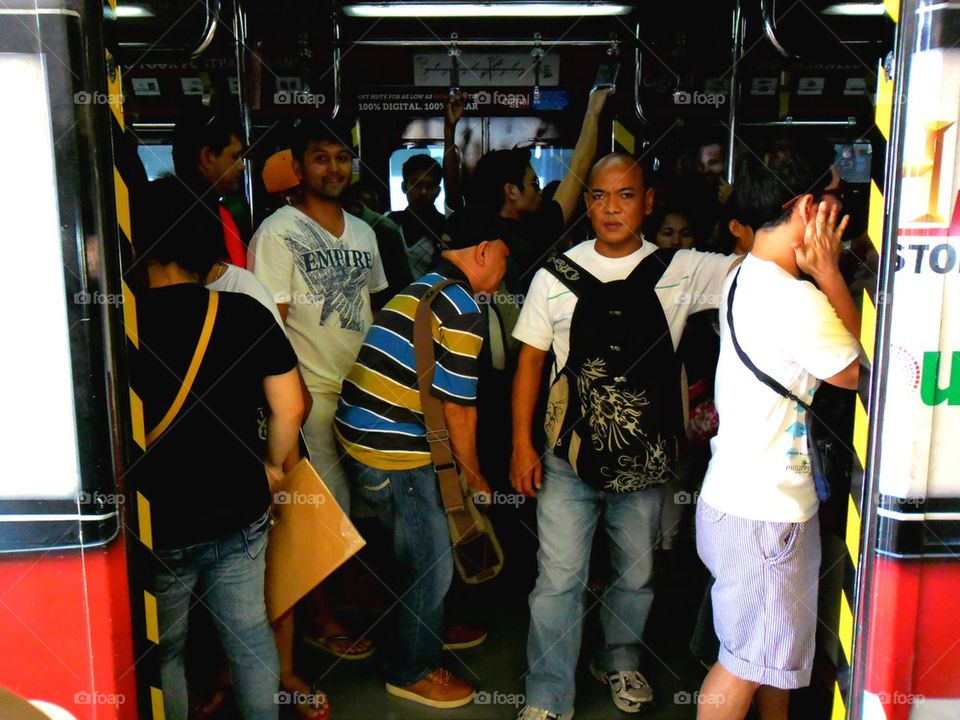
(760, 468)
(241, 280)
(692, 282)
(326, 281)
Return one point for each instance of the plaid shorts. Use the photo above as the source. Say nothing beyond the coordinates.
(765, 594)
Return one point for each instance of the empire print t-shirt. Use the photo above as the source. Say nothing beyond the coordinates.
(327, 281)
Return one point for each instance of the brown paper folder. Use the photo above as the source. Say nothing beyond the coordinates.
(312, 538)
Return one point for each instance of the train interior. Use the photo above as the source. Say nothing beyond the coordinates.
(687, 70)
(690, 73)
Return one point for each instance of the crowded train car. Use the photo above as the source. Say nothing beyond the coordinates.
(484, 360)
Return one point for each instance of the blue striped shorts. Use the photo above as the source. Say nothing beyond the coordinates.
(765, 594)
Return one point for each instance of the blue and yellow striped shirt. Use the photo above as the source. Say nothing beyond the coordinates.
(379, 420)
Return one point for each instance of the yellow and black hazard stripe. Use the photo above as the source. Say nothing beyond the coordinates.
(853, 535)
(624, 141)
(138, 520)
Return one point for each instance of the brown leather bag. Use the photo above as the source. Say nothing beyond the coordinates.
(476, 552)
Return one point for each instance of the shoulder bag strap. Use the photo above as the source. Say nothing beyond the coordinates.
(191, 375)
(438, 438)
(761, 376)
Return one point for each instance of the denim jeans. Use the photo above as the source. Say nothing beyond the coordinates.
(226, 575)
(408, 502)
(568, 510)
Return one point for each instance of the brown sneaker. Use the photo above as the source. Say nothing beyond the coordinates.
(438, 688)
(461, 637)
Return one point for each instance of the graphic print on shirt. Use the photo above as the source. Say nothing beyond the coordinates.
(798, 457)
(335, 274)
(614, 418)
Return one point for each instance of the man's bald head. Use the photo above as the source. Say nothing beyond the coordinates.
(617, 162)
(617, 201)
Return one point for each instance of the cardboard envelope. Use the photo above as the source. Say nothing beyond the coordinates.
(312, 538)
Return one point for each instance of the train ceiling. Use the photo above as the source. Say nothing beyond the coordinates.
(800, 59)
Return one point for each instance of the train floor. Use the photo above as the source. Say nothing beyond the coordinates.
(497, 667)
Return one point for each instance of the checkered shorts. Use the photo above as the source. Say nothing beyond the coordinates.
(765, 594)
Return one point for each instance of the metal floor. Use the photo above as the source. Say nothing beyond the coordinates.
(497, 667)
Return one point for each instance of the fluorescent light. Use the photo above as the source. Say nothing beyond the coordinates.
(858, 9)
(492, 9)
(133, 11)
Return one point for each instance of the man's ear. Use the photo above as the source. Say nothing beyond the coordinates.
(648, 201)
(205, 158)
(510, 191)
(403, 187)
(297, 169)
(806, 209)
(480, 252)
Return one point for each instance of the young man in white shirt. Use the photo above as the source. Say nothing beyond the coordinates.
(569, 507)
(322, 265)
(757, 526)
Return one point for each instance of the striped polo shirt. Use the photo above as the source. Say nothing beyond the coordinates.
(379, 420)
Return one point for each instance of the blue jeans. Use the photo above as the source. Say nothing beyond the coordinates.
(408, 502)
(226, 575)
(568, 510)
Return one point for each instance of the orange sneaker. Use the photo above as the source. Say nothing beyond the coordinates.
(439, 688)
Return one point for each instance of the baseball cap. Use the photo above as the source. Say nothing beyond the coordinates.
(278, 175)
(471, 226)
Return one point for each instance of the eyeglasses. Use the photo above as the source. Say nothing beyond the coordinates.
(534, 183)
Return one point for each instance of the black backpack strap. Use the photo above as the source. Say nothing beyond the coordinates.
(761, 376)
(651, 268)
(576, 279)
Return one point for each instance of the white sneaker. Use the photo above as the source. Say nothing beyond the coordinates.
(630, 690)
(535, 713)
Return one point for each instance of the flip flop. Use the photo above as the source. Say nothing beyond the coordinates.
(317, 707)
(351, 653)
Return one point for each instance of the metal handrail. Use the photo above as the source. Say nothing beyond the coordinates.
(790, 122)
(767, 8)
(336, 67)
(637, 72)
(739, 32)
(209, 30)
(480, 42)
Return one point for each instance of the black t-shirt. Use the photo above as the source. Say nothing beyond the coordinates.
(204, 476)
(533, 236)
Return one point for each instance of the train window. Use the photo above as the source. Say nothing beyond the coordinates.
(398, 201)
(157, 160)
(853, 161)
(45, 419)
(550, 163)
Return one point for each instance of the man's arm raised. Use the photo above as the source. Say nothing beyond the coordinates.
(453, 194)
(583, 154)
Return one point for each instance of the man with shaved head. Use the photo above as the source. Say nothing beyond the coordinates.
(571, 502)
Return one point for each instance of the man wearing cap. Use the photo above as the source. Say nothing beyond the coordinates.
(380, 425)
